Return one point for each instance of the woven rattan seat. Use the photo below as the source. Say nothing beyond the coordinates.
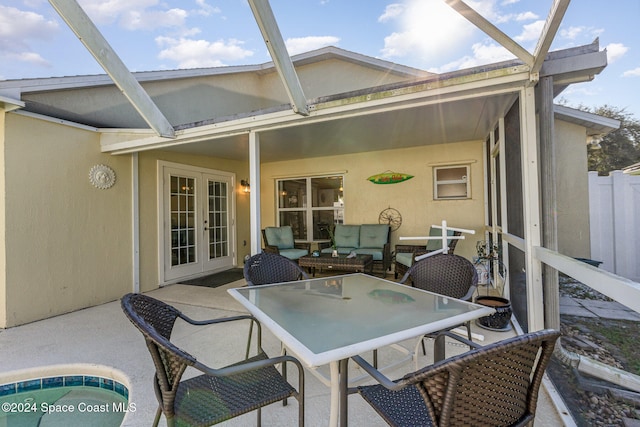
(445, 274)
(265, 268)
(495, 385)
(215, 395)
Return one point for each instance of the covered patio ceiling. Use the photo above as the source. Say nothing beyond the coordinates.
(461, 120)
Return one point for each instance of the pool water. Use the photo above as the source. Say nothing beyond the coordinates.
(64, 406)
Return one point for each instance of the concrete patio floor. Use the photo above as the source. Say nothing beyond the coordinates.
(102, 339)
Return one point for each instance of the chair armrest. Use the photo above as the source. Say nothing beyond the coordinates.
(270, 249)
(377, 375)
(249, 366)
(409, 248)
(470, 292)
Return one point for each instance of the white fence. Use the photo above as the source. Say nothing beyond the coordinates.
(614, 213)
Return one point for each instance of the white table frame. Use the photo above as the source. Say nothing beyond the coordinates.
(338, 358)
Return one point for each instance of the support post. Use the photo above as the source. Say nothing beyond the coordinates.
(549, 200)
(254, 195)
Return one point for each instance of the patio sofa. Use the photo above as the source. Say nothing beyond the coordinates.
(279, 240)
(371, 239)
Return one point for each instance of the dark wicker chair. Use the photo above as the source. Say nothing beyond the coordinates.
(495, 385)
(445, 274)
(414, 251)
(265, 268)
(218, 394)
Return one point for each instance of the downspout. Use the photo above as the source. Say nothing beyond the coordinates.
(135, 222)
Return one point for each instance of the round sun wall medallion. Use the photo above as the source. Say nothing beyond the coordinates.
(102, 176)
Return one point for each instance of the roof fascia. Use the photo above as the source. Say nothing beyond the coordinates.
(491, 30)
(278, 51)
(90, 36)
(556, 14)
(381, 99)
(595, 122)
(10, 104)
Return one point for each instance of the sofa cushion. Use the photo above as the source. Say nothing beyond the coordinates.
(293, 254)
(374, 235)
(281, 237)
(375, 252)
(434, 245)
(347, 236)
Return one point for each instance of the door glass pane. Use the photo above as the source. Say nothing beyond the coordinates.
(182, 231)
(217, 217)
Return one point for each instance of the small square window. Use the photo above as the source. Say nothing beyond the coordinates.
(451, 182)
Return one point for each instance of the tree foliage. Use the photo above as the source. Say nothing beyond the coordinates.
(618, 149)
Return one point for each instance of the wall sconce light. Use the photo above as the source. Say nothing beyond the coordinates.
(245, 186)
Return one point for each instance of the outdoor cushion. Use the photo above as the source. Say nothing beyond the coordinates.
(375, 252)
(293, 253)
(341, 250)
(434, 245)
(347, 236)
(404, 258)
(374, 235)
(281, 237)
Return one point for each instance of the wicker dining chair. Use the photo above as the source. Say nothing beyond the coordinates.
(405, 255)
(217, 394)
(265, 268)
(494, 385)
(445, 274)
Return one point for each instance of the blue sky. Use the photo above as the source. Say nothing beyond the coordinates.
(427, 34)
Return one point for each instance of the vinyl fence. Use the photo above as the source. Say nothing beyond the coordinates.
(614, 209)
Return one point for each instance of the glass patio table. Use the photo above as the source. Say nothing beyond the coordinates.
(328, 320)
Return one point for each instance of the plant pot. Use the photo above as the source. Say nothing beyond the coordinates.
(501, 319)
(334, 253)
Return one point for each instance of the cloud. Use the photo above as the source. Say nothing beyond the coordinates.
(423, 26)
(632, 73)
(191, 53)
(18, 28)
(305, 44)
(530, 32)
(206, 9)
(483, 53)
(391, 12)
(135, 14)
(615, 51)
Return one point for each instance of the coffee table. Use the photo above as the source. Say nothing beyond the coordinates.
(360, 263)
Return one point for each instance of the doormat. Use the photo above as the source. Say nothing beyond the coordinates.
(217, 279)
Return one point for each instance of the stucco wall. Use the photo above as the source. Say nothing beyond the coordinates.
(413, 198)
(3, 253)
(68, 244)
(148, 170)
(572, 190)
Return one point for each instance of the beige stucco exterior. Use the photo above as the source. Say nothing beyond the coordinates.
(572, 190)
(413, 198)
(67, 243)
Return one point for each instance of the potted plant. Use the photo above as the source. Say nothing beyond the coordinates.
(334, 252)
(501, 319)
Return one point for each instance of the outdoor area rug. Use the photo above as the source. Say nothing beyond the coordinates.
(217, 279)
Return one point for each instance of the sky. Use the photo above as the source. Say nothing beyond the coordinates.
(151, 35)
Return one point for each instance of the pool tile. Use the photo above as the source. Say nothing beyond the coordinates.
(92, 381)
(106, 383)
(7, 389)
(29, 385)
(121, 390)
(52, 382)
(73, 380)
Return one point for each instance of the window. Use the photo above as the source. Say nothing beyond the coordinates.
(451, 182)
(310, 205)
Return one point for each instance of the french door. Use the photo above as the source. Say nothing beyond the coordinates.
(198, 222)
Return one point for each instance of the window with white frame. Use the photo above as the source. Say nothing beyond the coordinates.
(310, 205)
(451, 182)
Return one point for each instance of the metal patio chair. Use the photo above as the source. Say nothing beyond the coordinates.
(217, 394)
(445, 274)
(495, 385)
(265, 268)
